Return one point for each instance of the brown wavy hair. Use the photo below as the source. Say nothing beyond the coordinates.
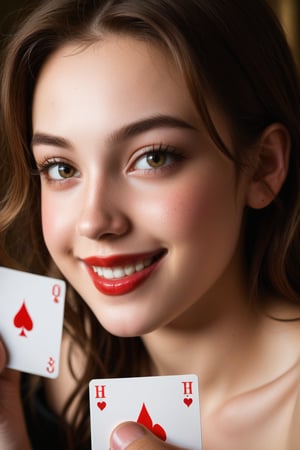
(231, 48)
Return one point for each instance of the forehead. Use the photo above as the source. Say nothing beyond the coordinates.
(118, 77)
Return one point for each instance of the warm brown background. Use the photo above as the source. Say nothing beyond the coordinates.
(289, 14)
(287, 10)
(10, 9)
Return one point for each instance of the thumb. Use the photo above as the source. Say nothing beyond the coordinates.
(132, 436)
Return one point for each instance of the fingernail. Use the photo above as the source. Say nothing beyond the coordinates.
(124, 435)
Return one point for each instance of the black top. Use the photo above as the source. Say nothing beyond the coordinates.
(43, 426)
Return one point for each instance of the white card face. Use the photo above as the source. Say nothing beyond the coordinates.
(31, 320)
(167, 405)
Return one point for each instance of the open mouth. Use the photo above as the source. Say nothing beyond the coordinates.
(112, 273)
(121, 274)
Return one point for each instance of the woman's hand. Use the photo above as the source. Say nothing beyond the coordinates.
(132, 436)
(13, 433)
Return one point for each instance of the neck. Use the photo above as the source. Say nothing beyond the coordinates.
(212, 342)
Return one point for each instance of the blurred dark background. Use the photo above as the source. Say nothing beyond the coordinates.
(288, 12)
(12, 10)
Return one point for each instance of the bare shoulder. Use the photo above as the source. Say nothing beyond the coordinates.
(286, 336)
(265, 406)
(294, 437)
(59, 390)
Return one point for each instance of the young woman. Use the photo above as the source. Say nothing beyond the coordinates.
(153, 153)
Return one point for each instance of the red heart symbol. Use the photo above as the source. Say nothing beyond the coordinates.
(159, 432)
(188, 401)
(101, 405)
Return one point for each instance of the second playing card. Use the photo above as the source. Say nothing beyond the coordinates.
(31, 319)
(168, 406)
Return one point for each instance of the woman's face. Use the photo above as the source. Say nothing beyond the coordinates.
(140, 210)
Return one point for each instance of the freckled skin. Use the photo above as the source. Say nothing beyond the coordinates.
(192, 312)
(191, 209)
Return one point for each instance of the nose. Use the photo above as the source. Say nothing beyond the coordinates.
(101, 215)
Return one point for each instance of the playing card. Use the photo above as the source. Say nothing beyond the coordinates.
(167, 405)
(31, 319)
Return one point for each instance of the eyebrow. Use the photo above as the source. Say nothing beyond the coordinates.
(125, 132)
(47, 139)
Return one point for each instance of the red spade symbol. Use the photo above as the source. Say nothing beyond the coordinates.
(23, 320)
(145, 419)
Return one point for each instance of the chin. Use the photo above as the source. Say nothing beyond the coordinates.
(127, 329)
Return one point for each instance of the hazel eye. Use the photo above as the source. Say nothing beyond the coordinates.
(156, 159)
(61, 171)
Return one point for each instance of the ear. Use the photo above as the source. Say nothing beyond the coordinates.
(271, 166)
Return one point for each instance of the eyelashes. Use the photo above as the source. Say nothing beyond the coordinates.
(149, 160)
(57, 169)
(155, 158)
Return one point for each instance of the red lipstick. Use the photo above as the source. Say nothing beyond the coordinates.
(131, 270)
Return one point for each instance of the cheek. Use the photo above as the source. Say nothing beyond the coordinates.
(201, 208)
(180, 212)
(184, 211)
(56, 223)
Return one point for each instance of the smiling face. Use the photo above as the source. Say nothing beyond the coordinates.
(140, 210)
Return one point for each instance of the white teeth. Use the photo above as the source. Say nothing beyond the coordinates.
(98, 270)
(120, 272)
(108, 273)
(129, 270)
(139, 267)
